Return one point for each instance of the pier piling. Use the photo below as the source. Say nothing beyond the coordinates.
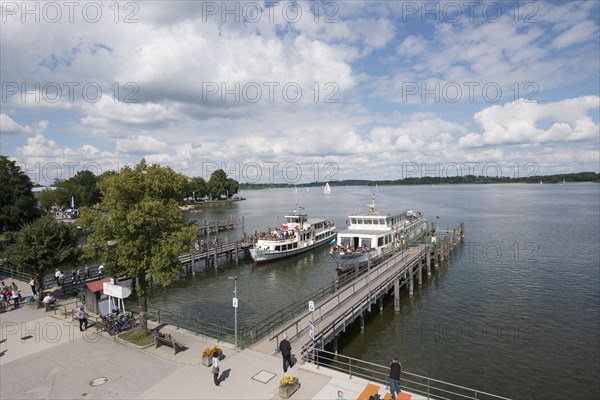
(428, 261)
(397, 295)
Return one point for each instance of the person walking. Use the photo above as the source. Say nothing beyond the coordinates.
(286, 352)
(83, 322)
(395, 371)
(15, 298)
(215, 367)
(32, 286)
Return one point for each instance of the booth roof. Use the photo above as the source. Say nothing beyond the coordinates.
(97, 286)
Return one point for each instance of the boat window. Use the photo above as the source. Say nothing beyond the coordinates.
(352, 221)
(277, 248)
(366, 242)
(380, 241)
(345, 240)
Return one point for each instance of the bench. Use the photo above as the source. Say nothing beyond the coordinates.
(369, 391)
(399, 396)
(167, 341)
(49, 307)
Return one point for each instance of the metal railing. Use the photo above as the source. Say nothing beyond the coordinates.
(218, 331)
(428, 387)
(287, 313)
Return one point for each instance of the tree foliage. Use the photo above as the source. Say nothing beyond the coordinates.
(81, 187)
(139, 231)
(197, 188)
(43, 245)
(219, 185)
(17, 203)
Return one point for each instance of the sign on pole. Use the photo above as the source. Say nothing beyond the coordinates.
(311, 306)
(235, 302)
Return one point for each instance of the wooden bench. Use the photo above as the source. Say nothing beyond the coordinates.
(167, 341)
(49, 307)
(399, 396)
(369, 391)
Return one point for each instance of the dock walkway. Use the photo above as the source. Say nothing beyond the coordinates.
(339, 309)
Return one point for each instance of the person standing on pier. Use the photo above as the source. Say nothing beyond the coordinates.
(286, 352)
(395, 371)
(83, 322)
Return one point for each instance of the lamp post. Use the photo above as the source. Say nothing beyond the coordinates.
(235, 307)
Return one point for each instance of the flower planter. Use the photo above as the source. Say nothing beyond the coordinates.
(286, 391)
(207, 361)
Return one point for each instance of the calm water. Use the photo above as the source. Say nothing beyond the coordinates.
(515, 313)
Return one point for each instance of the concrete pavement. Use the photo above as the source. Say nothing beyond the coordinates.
(43, 355)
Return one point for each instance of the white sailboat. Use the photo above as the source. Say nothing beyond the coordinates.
(327, 189)
(307, 190)
(295, 189)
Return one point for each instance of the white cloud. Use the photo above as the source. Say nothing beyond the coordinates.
(521, 123)
(141, 145)
(10, 126)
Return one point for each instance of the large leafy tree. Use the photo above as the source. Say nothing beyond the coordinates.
(219, 184)
(43, 245)
(139, 231)
(17, 203)
(197, 186)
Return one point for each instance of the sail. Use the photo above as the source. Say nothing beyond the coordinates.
(327, 189)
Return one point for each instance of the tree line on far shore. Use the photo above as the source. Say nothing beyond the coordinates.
(433, 180)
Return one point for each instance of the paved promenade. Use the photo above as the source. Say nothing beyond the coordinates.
(43, 355)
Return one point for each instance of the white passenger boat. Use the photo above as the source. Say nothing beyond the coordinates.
(372, 234)
(297, 235)
(327, 189)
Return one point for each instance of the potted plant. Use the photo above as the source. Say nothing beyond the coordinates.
(207, 355)
(288, 385)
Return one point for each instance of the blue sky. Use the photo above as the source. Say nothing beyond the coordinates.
(368, 90)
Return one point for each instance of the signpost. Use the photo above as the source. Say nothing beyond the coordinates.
(235, 307)
(311, 326)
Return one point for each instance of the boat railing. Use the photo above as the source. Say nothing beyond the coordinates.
(415, 383)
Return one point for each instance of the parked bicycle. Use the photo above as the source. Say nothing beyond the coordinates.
(117, 322)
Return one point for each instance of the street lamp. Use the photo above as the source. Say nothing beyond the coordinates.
(235, 306)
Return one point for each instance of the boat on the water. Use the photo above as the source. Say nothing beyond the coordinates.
(297, 235)
(327, 189)
(370, 235)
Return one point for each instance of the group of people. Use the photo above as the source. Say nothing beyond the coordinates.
(8, 293)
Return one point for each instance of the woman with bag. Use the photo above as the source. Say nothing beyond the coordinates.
(215, 367)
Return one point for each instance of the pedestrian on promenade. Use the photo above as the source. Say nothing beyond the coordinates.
(286, 352)
(86, 273)
(215, 367)
(15, 298)
(340, 395)
(101, 271)
(32, 285)
(57, 277)
(395, 371)
(83, 322)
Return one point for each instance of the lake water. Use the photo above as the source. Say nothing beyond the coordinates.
(515, 313)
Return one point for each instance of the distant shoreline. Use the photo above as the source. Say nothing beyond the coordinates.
(591, 177)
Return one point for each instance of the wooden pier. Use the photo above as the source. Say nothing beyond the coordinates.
(229, 249)
(229, 223)
(349, 300)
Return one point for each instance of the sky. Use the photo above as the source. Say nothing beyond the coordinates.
(301, 91)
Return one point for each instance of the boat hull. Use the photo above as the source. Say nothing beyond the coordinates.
(265, 256)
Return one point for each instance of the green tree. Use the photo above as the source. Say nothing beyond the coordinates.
(216, 183)
(231, 187)
(139, 230)
(197, 186)
(43, 245)
(48, 198)
(81, 187)
(17, 203)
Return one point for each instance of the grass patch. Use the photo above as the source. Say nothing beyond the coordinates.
(140, 339)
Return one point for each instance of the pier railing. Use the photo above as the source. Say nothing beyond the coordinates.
(419, 384)
(287, 313)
